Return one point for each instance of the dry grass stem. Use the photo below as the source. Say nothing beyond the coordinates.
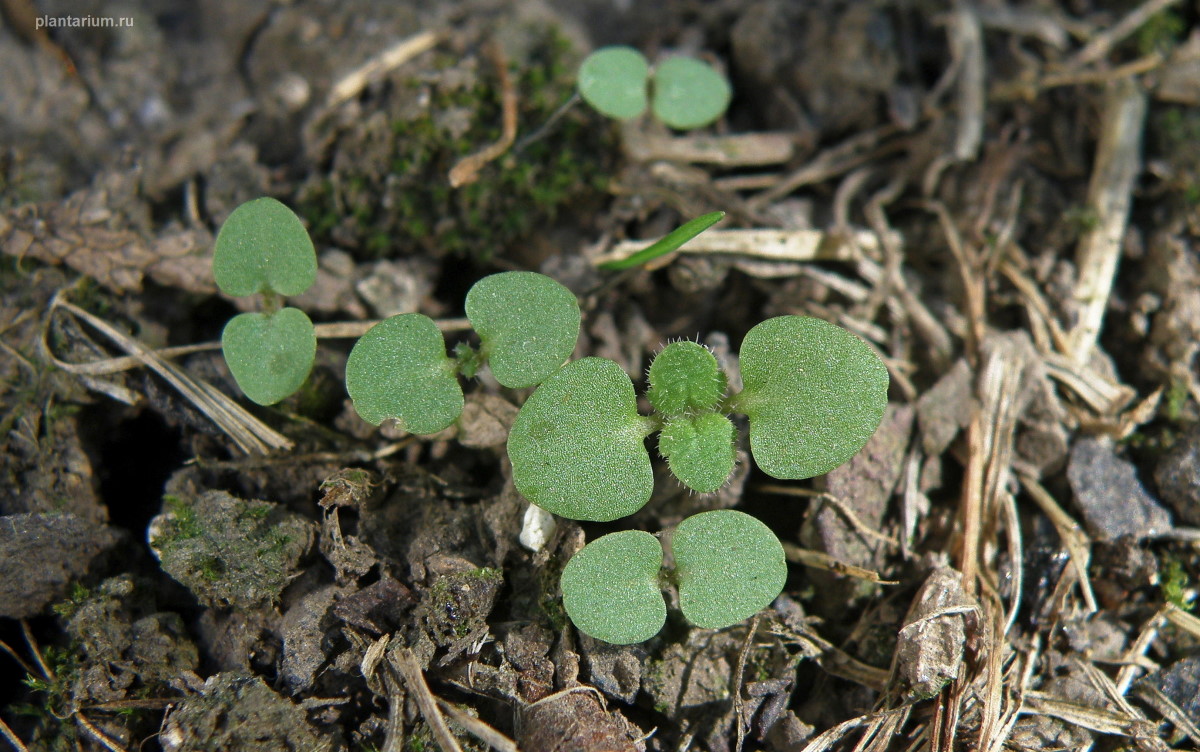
(391, 58)
(1183, 620)
(1166, 707)
(12, 738)
(851, 153)
(404, 662)
(331, 330)
(827, 498)
(1116, 166)
(1075, 540)
(739, 673)
(1102, 43)
(249, 433)
(478, 728)
(736, 150)
(766, 244)
(966, 48)
(822, 560)
(1103, 396)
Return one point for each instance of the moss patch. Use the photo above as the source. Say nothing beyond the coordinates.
(386, 191)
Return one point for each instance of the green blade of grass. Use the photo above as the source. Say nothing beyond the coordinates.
(668, 243)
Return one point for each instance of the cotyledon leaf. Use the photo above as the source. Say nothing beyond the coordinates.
(269, 355)
(688, 93)
(613, 81)
(263, 246)
(729, 566)
(528, 324)
(610, 588)
(399, 369)
(814, 393)
(577, 447)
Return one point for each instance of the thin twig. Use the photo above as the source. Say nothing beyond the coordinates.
(466, 170)
(353, 83)
(1102, 43)
(11, 737)
(738, 675)
(405, 662)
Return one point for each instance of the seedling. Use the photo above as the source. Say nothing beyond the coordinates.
(399, 369)
(682, 92)
(264, 249)
(813, 392)
(728, 566)
(527, 324)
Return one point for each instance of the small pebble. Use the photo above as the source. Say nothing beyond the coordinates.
(1108, 493)
(1177, 476)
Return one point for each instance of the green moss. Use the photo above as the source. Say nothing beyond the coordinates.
(1177, 397)
(75, 598)
(186, 523)
(231, 552)
(1161, 33)
(1173, 582)
(388, 192)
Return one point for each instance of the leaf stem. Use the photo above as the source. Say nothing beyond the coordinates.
(272, 302)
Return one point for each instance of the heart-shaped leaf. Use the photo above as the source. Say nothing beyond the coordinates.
(269, 355)
(528, 324)
(814, 394)
(264, 246)
(688, 93)
(610, 588)
(399, 370)
(729, 567)
(613, 80)
(699, 450)
(685, 377)
(577, 444)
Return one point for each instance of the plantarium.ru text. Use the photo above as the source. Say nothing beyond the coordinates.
(813, 394)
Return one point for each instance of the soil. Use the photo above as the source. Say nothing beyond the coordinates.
(1002, 200)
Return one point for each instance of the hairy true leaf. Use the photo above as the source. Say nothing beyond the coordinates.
(613, 80)
(814, 394)
(729, 566)
(263, 246)
(688, 93)
(577, 444)
(399, 369)
(699, 450)
(685, 377)
(528, 324)
(610, 588)
(269, 355)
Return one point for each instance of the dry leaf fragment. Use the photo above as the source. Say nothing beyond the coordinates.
(83, 233)
(929, 648)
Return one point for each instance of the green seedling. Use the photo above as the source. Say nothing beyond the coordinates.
(263, 249)
(527, 325)
(728, 566)
(813, 393)
(682, 92)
